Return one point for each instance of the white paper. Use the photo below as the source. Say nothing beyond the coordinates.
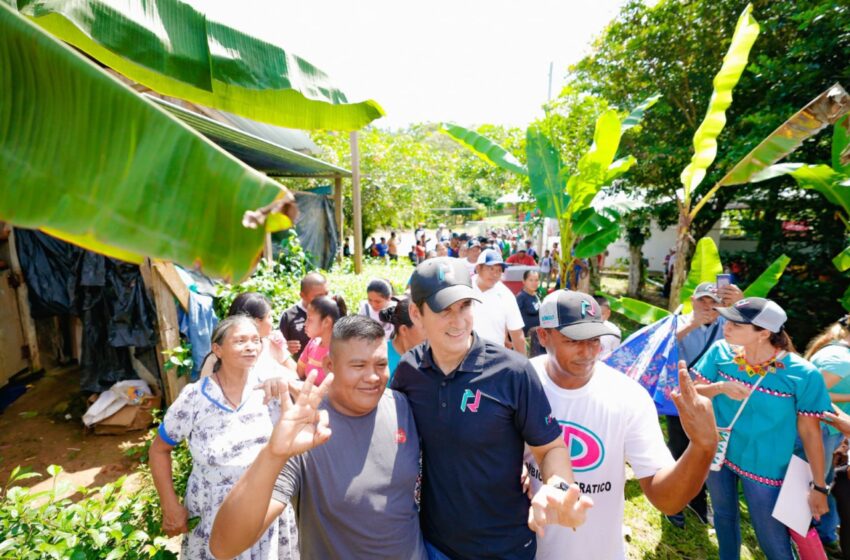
(792, 506)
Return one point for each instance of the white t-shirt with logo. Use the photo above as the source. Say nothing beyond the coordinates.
(497, 313)
(607, 423)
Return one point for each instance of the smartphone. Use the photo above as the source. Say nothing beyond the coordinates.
(723, 280)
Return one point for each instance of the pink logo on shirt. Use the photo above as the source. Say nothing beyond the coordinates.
(586, 449)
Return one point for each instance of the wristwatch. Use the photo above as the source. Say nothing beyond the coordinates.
(822, 489)
(562, 486)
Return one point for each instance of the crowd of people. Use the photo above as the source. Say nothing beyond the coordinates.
(418, 427)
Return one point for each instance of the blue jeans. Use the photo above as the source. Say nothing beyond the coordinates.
(772, 535)
(827, 527)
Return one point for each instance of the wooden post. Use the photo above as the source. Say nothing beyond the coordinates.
(268, 254)
(168, 329)
(355, 204)
(22, 293)
(338, 216)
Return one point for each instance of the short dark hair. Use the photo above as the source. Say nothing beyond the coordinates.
(252, 304)
(381, 287)
(528, 273)
(397, 315)
(311, 280)
(330, 306)
(357, 326)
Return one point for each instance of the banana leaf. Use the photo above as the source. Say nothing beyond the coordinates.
(597, 242)
(486, 149)
(594, 166)
(762, 285)
(85, 158)
(636, 310)
(705, 138)
(544, 173)
(842, 260)
(705, 267)
(818, 114)
(820, 178)
(589, 220)
(172, 48)
(638, 112)
(845, 299)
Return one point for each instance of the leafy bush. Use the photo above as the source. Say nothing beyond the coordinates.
(105, 524)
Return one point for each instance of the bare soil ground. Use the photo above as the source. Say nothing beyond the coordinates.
(35, 432)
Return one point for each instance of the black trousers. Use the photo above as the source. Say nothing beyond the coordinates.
(677, 442)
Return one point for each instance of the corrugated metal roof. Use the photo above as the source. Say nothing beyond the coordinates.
(260, 153)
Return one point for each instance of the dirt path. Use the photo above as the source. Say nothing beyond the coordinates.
(34, 432)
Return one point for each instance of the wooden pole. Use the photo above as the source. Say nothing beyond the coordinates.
(338, 216)
(168, 331)
(355, 203)
(24, 305)
(268, 254)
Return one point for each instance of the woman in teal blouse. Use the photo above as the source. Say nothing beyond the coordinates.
(790, 399)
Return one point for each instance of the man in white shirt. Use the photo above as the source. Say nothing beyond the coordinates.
(609, 420)
(496, 314)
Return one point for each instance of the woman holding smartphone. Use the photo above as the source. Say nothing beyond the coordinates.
(765, 394)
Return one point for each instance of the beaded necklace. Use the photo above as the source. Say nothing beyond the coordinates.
(770, 366)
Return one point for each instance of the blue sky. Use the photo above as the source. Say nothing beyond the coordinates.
(469, 62)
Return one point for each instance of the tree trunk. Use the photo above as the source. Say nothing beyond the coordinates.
(595, 280)
(680, 269)
(635, 270)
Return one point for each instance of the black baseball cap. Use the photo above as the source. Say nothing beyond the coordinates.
(440, 282)
(575, 314)
(756, 311)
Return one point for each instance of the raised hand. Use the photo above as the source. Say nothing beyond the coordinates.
(302, 426)
(553, 506)
(695, 411)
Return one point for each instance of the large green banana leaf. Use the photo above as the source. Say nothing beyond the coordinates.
(818, 114)
(594, 166)
(636, 310)
(638, 112)
(174, 49)
(705, 138)
(841, 261)
(705, 267)
(85, 158)
(486, 149)
(597, 242)
(762, 285)
(544, 173)
(821, 178)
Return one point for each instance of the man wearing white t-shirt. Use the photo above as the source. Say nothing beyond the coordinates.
(496, 314)
(609, 420)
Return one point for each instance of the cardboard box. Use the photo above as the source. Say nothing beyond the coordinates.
(131, 418)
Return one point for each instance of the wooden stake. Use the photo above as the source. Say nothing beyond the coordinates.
(22, 292)
(355, 203)
(168, 330)
(338, 216)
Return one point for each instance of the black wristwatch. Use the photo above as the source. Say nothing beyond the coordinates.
(562, 486)
(822, 489)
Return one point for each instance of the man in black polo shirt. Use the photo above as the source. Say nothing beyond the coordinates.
(476, 404)
(292, 321)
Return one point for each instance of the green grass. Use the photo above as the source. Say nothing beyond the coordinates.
(654, 538)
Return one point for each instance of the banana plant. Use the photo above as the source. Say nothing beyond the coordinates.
(175, 49)
(87, 159)
(824, 110)
(705, 267)
(567, 197)
(833, 182)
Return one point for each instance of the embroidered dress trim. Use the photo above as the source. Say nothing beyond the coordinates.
(752, 476)
(759, 388)
(810, 413)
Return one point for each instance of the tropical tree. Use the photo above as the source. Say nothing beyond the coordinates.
(564, 196)
(832, 181)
